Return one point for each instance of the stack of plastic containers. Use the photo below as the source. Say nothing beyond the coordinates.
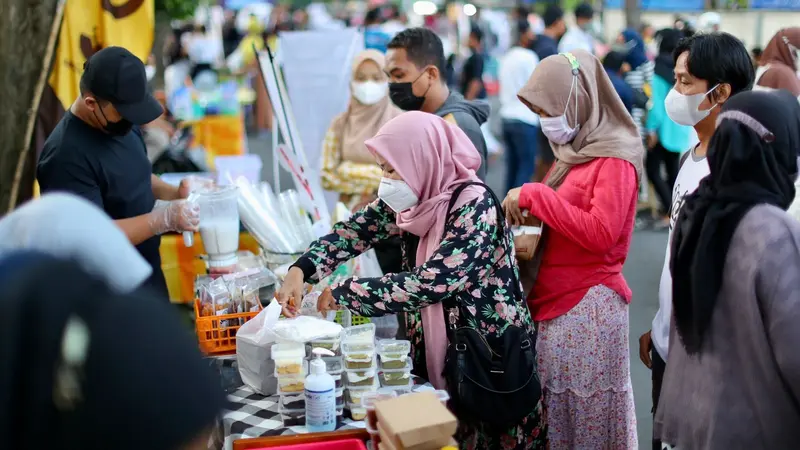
(360, 366)
(395, 364)
(291, 369)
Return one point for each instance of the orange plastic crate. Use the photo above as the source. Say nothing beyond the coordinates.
(215, 339)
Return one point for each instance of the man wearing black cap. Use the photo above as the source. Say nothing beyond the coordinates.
(97, 151)
(579, 36)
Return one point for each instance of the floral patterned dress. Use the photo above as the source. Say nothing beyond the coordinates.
(471, 263)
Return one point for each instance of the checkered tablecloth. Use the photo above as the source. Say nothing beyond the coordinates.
(254, 415)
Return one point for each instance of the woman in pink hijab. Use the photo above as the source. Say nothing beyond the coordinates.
(462, 257)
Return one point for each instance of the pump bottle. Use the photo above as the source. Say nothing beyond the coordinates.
(320, 395)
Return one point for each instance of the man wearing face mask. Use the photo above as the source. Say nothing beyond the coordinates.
(415, 64)
(709, 69)
(579, 36)
(97, 152)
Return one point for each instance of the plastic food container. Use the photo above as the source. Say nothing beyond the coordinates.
(291, 384)
(358, 355)
(393, 353)
(368, 400)
(358, 413)
(361, 377)
(293, 417)
(293, 401)
(332, 344)
(359, 333)
(289, 358)
(356, 394)
(397, 377)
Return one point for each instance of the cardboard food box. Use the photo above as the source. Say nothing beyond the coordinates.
(415, 422)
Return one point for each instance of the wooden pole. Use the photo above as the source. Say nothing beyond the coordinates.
(37, 96)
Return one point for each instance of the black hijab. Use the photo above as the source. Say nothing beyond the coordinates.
(84, 368)
(752, 158)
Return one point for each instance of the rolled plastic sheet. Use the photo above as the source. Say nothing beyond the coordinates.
(269, 199)
(264, 227)
(294, 214)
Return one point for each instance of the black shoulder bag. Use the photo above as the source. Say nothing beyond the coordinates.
(492, 384)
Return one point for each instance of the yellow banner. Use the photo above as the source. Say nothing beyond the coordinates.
(90, 25)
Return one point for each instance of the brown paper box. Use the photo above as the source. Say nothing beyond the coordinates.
(386, 440)
(415, 422)
(525, 245)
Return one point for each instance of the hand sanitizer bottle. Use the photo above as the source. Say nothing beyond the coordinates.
(320, 395)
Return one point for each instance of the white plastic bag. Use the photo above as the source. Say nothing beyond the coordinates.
(368, 265)
(305, 329)
(253, 350)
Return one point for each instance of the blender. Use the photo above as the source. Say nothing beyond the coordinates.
(219, 224)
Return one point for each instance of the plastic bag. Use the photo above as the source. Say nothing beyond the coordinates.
(253, 350)
(306, 328)
(368, 267)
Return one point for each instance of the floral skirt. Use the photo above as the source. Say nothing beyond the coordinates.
(529, 434)
(584, 365)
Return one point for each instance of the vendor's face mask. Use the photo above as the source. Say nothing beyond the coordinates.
(397, 195)
(118, 128)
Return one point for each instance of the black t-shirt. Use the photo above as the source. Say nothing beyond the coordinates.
(112, 172)
(473, 70)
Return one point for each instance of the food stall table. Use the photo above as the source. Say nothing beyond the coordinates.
(252, 415)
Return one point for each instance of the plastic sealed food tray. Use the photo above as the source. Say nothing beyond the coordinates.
(289, 358)
(357, 413)
(302, 373)
(333, 364)
(332, 344)
(393, 353)
(359, 333)
(291, 384)
(355, 395)
(396, 380)
(359, 355)
(361, 377)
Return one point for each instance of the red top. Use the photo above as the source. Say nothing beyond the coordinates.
(590, 222)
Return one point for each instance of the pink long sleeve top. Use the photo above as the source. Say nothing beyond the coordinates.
(590, 221)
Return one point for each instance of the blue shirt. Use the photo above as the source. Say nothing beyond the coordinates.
(675, 138)
(624, 91)
(376, 39)
(544, 46)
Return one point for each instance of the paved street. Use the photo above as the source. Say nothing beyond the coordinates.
(642, 271)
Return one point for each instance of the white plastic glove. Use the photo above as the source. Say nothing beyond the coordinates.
(178, 215)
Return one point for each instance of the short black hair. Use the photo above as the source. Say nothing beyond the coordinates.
(476, 33)
(552, 14)
(757, 51)
(522, 27)
(423, 48)
(717, 58)
(373, 15)
(613, 61)
(584, 11)
(668, 39)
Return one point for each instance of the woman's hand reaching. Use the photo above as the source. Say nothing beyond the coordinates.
(290, 294)
(511, 207)
(326, 302)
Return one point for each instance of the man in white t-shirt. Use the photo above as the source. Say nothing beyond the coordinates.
(520, 124)
(579, 36)
(695, 100)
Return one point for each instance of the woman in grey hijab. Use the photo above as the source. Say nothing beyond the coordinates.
(69, 227)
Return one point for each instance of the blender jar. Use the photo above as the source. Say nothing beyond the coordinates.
(219, 224)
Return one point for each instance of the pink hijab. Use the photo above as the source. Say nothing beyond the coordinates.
(433, 158)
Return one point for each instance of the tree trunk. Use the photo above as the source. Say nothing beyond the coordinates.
(633, 14)
(28, 34)
(162, 32)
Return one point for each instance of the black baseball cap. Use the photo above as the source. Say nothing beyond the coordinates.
(118, 76)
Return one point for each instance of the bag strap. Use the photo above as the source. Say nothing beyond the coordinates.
(501, 225)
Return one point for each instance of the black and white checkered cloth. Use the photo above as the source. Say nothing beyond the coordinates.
(253, 415)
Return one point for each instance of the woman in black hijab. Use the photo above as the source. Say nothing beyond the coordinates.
(752, 159)
(733, 375)
(84, 368)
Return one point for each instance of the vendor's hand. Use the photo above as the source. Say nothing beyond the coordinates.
(193, 183)
(290, 294)
(365, 200)
(177, 215)
(326, 302)
(511, 207)
(645, 345)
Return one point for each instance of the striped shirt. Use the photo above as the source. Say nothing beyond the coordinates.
(641, 79)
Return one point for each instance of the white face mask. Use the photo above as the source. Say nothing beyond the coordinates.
(557, 129)
(369, 92)
(397, 194)
(683, 109)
